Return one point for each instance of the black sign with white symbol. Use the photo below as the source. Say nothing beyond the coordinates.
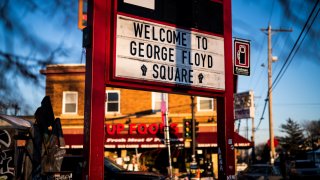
(241, 57)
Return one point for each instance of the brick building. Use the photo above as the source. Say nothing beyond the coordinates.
(133, 119)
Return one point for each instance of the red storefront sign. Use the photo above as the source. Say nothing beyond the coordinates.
(144, 135)
(115, 129)
(127, 141)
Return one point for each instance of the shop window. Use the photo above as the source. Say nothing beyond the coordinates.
(156, 101)
(205, 104)
(70, 102)
(112, 102)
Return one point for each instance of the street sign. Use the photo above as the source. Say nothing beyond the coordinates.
(241, 64)
(155, 52)
(244, 105)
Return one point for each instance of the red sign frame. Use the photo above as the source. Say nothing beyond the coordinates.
(112, 80)
(99, 74)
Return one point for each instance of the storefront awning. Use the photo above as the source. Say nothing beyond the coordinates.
(204, 139)
(14, 122)
(209, 139)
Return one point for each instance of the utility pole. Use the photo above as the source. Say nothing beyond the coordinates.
(270, 60)
(253, 153)
(252, 131)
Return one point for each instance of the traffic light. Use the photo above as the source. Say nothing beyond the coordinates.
(187, 129)
(196, 127)
(82, 13)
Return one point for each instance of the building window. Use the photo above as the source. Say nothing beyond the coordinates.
(112, 102)
(70, 102)
(205, 104)
(156, 101)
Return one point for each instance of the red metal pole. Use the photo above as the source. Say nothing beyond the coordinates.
(226, 160)
(95, 93)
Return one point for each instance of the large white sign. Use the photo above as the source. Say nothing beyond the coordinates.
(142, 3)
(159, 53)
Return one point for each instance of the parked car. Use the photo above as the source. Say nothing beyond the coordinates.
(260, 171)
(112, 171)
(73, 164)
(304, 169)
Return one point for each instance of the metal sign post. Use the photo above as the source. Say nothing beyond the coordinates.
(93, 145)
(225, 114)
(164, 112)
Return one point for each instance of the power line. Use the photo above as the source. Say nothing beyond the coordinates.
(278, 76)
(282, 52)
(297, 104)
(263, 111)
(261, 47)
(271, 12)
(295, 52)
(256, 64)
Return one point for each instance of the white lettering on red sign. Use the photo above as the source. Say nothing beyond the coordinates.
(113, 129)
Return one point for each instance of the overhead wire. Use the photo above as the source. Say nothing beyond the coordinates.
(259, 60)
(266, 99)
(261, 47)
(262, 116)
(255, 67)
(282, 52)
(284, 68)
(294, 19)
(260, 57)
(297, 104)
(272, 6)
(289, 58)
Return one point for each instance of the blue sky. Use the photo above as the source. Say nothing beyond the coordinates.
(296, 96)
(39, 32)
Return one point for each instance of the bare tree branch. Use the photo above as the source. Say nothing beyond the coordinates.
(23, 51)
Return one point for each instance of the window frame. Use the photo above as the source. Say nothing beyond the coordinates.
(199, 98)
(65, 93)
(106, 105)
